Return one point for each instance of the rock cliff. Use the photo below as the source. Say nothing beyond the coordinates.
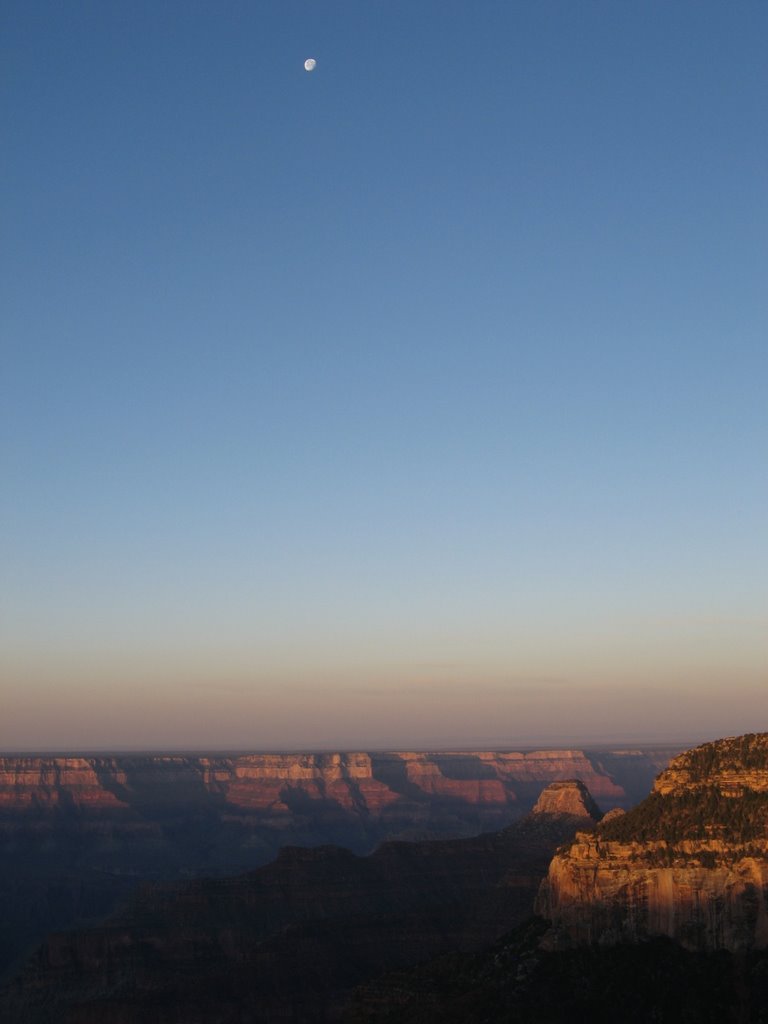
(690, 862)
(357, 781)
(569, 797)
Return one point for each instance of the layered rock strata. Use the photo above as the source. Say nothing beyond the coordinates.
(570, 797)
(356, 781)
(690, 862)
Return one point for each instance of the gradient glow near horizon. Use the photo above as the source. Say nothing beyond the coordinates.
(420, 401)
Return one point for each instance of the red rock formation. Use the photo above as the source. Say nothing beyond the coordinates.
(355, 781)
(46, 782)
(690, 862)
(570, 797)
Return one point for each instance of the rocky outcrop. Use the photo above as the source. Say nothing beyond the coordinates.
(615, 812)
(570, 797)
(707, 895)
(734, 767)
(690, 862)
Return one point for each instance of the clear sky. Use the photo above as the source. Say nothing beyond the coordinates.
(420, 400)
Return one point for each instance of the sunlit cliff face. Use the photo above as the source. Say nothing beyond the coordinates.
(690, 862)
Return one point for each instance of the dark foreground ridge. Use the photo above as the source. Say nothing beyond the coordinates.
(515, 981)
(291, 940)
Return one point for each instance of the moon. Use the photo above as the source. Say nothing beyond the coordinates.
(310, 64)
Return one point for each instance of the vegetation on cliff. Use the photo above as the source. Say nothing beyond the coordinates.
(718, 790)
(703, 813)
(736, 753)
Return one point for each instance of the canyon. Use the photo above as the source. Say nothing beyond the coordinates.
(659, 906)
(79, 833)
(292, 939)
(659, 913)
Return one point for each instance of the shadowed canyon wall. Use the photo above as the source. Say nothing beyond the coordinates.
(290, 940)
(78, 834)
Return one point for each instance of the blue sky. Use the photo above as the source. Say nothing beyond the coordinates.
(418, 400)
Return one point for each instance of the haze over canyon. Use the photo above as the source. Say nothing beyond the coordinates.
(78, 834)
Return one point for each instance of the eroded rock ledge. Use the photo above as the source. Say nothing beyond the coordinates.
(690, 862)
